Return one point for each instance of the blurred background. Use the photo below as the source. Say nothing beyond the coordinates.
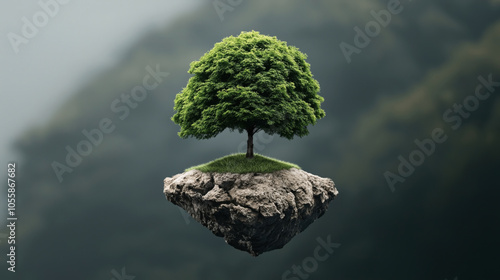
(66, 67)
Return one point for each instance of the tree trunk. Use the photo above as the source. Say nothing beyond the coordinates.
(250, 143)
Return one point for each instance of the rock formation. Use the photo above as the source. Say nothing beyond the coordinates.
(254, 212)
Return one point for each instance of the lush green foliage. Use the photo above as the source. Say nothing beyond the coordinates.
(238, 163)
(251, 82)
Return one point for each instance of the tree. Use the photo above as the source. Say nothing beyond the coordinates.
(249, 83)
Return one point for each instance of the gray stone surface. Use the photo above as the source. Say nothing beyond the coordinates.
(254, 212)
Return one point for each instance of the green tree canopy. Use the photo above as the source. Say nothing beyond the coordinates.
(249, 83)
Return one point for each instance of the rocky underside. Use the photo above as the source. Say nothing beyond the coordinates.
(254, 212)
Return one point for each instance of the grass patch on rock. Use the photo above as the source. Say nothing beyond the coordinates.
(238, 163)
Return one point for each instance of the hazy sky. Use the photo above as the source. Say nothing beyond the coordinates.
(78, 39)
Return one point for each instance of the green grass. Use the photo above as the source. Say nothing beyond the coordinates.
(238, 163)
